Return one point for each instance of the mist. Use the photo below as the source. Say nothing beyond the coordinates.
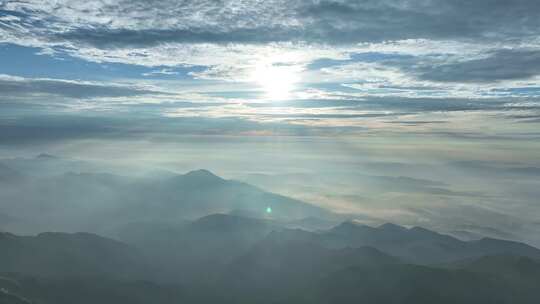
(278, 151)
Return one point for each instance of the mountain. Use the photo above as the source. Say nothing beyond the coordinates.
(250, 260)
(229, 236)
(198, 178)
(410, 284)
(62, 254)
(415, 245)
(200, 192)
(420, 245)
(197, 251)
(504, 265)
(292, 266)
(471, 232)
(89, 290)
(98, 202)
(519, 273)
(282, 271)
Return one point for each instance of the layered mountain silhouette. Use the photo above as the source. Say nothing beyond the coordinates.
(415, 245)
(88, 290)
(200, 249)
(63, 254)
(98, 202)
(201, 192)
(262, 261)
(200, 238)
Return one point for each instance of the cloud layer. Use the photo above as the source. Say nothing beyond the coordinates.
(137, 23)
(228, 37)
(436, 103)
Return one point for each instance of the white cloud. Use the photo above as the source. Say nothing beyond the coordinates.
(228, 40)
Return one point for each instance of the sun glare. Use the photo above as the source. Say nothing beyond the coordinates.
(277, 81)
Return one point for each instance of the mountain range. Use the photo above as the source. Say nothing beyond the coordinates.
(101, 202)
(199, 238)
(258, 260)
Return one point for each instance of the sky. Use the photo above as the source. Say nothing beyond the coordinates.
(421, 111)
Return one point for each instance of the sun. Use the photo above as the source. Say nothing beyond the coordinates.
(277, 81)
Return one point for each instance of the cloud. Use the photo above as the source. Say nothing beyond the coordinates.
(379, 48)
(40, 88)
(500, 170)
(483, 74)
(371, 20)
(37, 128)
(417, 122)
(358, 61)
(506, 64)
(160, 72)
(349, 101)
(120, 38)
(135, 23)
(414, 185)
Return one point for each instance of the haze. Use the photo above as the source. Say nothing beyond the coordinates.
(417, 113)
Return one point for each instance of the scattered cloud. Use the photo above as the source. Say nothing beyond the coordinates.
(505, 64)
(43, 88)
(453, 43)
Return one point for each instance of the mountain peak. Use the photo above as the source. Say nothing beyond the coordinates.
(202, 173)
(418, 229)
(392, 227)
(349, 227)
(198, 178)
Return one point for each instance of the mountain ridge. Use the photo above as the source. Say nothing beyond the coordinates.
(244, 259)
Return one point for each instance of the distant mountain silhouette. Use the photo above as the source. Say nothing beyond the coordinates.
(201, 238)
(202, 176)
(200, 192)
(200, 249)
(98, 202)
(409, 284)
(275, 271)
(250, 260)
(296, 266)
(63, 254)
(513, 266)
(45, 165)
(415, 245)
(90, 290)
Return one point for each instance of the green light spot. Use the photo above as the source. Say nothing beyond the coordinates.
(268, 209)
